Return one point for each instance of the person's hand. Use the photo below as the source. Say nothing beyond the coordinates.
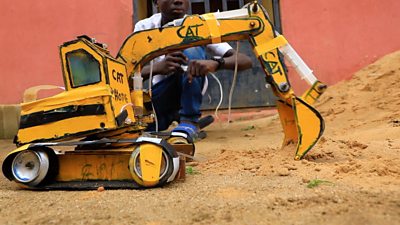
(171, 63)
(200, 68)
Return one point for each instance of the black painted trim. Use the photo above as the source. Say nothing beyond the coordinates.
(45, 117)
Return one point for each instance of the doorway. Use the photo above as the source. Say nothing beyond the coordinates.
(250, 89)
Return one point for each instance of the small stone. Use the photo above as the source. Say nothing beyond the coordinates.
(291, 200)
(291, 167)
(100, 189)
(249, 135)
(283, 172)
(305, 180)
(336, 200)
(192, 164)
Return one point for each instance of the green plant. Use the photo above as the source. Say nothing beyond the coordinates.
(190, 170)
(316, 182)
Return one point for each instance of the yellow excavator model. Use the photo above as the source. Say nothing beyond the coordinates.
(92, 133)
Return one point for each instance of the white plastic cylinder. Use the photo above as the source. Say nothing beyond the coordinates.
(137, 81)
(299, 65)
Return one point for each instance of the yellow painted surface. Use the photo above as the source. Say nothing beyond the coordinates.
(137, 50)
(313, 93)
(137, 97)
(121, 97)
(309, 127)
(83, 95)
(213, 26)
(150, 163)
(21, 148)
(62, 127)
(84, 45)
(271, 58)
(271, 45)
(82, 124)
(105, 166)
(288, 121)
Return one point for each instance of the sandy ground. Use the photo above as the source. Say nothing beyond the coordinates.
(244, 177)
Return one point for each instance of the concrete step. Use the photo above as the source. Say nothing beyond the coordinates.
(9, 120)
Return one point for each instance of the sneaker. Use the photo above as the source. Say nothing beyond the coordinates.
(205, 121)
(188, 130)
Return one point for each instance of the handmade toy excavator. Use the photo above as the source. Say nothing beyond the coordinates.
(92, 134)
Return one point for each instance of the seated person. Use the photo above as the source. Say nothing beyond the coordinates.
(176, 94)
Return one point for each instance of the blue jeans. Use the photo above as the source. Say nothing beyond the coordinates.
(174, 98)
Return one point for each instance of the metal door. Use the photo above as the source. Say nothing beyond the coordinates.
(250, 89)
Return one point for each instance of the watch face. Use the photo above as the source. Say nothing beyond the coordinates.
(220, 60)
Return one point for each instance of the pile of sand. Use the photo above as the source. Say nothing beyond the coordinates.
(371, 97)
(361, 139)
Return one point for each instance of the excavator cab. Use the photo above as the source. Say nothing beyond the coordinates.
(96, 97)
(96, 111)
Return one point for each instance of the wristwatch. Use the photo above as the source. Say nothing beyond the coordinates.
(220, 60)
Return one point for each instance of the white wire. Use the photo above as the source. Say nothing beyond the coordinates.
(221, 94)
(151, 75)
(155, 116)
(233, 83)
(150, 84)
(124, 107)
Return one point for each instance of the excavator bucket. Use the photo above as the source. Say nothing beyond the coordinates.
(302, 124)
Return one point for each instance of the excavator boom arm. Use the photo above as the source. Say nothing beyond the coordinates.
(140, 47)
(301, 122)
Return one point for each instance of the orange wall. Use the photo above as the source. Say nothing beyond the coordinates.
(334, 37)
(338, 37)
(31, 32)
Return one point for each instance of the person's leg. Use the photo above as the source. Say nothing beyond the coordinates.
(175, 94)
(166, 97)
(192, 97)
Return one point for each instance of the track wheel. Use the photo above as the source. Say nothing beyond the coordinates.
(150, 165)
(33, 166)
(183, 145)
